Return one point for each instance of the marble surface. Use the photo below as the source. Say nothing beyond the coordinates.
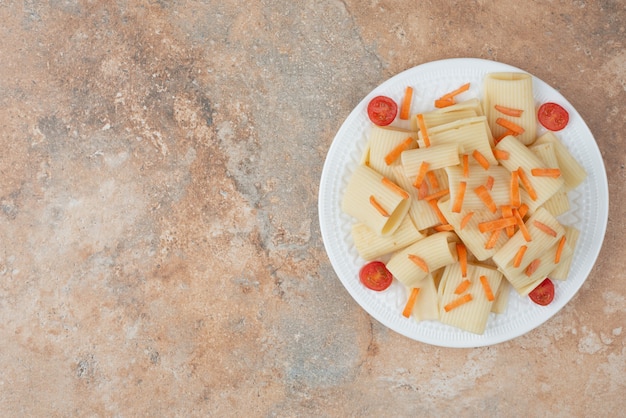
(160, 251)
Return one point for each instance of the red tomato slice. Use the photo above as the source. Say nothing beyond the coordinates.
(374, 275)
(382, 110)
(543, 294)
(552, 116)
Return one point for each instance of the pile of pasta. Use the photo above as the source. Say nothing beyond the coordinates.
(463, 205)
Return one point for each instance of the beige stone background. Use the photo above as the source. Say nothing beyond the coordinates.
(160, 252)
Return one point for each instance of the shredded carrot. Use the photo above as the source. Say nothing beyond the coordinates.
(514, 127)
(422, 126)
(516, 199)
(465, 160)
(422, 191)
(395, 153)
(432, 179)
(517, 260)
(462, 287)
(522, 226)
(545, 228)
(456, 92)
(484, 195)
(441, 103)
(489, 184)
(421, 174)
(443, 228)
(527, 185)
(507, 212)
(408, 308)
(500, 154)
(433, 204)
(437, 195)
(523, 209)
(458, 200)
(419, 262)
(559, 250)
(533, 266)
(504, 134)
(493, 239)
(480, 159)
(461, 251)
(546, 172)
(458, 302)
(378, 207)
(405, 108)
(509, 111)
(500, 223)
(395, 188)
(487, 288)
(466, 219)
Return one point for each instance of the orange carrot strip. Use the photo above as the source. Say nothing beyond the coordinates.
(395, 153)
(437, 195)
(517, 260)
(422, 191)
(546, 172)
(505, 123)
(480, 159)
(522, 226)
(421, 174)
(545, 228)
(484, 195)
(453, 93)
(504, 134)
(533, 266)
(526, 183)
(489, 184)
(433, 204)
(395, 188)
(432, 179)
(523, 209)
(419, 262)
(507, 212)
(462, 287)
(465, 160)
(501, 154)
(559, 250)
(461, 251)
(516, 199)
(405, 107)
(441, 103)
(500, 223)
(458, 200)
(378, 207)
(458, 302)
(466, 219)
(493, 239)
(509, 111)
(443, 228)
(422, 126)
(487, 288)
(408, 308)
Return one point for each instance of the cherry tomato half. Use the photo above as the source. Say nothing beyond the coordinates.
(374, 275)
(543, 294)
(382, 110)
(552, 116)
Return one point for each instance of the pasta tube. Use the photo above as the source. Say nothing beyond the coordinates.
(370, 245)
(371, 198)
(383, 141)
(472, 312)
(412, 264)
(512, 90)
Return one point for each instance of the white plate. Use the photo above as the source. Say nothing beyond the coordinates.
(589, 206)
